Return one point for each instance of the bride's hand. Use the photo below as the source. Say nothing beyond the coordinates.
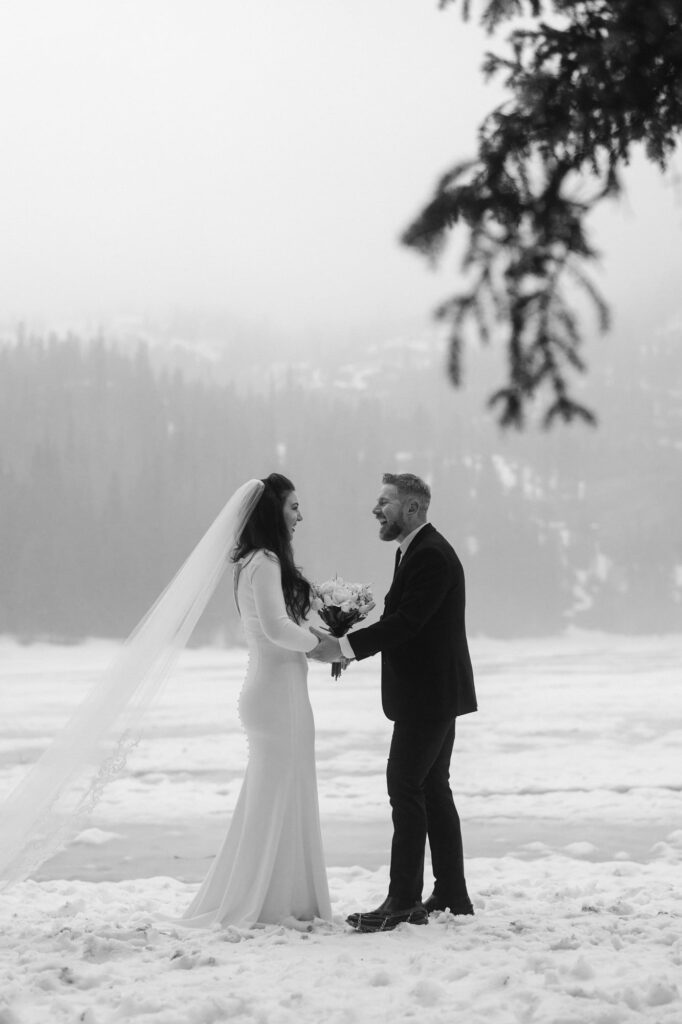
(328, 648)
(320, 637)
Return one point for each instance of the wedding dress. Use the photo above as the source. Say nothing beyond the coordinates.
(271, 864)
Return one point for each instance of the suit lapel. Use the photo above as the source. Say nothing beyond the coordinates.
(411, 550)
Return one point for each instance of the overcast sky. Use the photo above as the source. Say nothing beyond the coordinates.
(255, 156)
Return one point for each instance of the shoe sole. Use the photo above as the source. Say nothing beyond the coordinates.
(457, 912)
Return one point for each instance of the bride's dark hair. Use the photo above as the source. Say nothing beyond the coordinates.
(266, 528)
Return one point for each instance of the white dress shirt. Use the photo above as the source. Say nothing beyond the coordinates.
(344, 642)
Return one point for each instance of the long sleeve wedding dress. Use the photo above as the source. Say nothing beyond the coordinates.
(271, 864)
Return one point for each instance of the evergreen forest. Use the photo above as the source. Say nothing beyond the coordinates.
(114, 460)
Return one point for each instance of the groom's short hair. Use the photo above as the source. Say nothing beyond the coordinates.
(410, 486)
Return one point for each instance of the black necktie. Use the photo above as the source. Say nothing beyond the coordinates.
(398, 556)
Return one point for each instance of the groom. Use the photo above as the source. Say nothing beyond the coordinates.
(426, 682)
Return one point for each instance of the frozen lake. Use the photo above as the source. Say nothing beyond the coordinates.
(575, 749)
(568, 783)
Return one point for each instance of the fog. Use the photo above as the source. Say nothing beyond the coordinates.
(258, 160)
(228, 182)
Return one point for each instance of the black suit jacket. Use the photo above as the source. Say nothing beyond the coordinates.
(426, 669)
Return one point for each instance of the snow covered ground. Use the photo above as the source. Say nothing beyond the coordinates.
(568, 783)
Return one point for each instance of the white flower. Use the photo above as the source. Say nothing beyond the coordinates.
(348, 597)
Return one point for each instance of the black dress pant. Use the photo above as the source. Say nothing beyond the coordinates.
(418, 779)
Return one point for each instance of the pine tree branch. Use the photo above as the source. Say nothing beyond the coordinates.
(588, 82)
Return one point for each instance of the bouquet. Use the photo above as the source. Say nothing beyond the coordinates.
(340, 605)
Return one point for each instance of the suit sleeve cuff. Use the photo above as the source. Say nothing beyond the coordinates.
(346, 649)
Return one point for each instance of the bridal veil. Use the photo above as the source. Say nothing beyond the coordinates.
(59, 792)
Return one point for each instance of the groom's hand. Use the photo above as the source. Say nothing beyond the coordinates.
(328, 649)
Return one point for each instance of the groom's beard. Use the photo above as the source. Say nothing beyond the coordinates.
(389, 531)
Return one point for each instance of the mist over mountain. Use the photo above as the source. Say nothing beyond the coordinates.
(117, 450)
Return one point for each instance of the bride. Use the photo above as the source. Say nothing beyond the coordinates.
(270, 868)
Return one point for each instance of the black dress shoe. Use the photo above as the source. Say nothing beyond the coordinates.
(389, 904)
(434, 903)
(392, 912)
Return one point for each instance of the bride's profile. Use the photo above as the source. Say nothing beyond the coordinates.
(271, 867)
